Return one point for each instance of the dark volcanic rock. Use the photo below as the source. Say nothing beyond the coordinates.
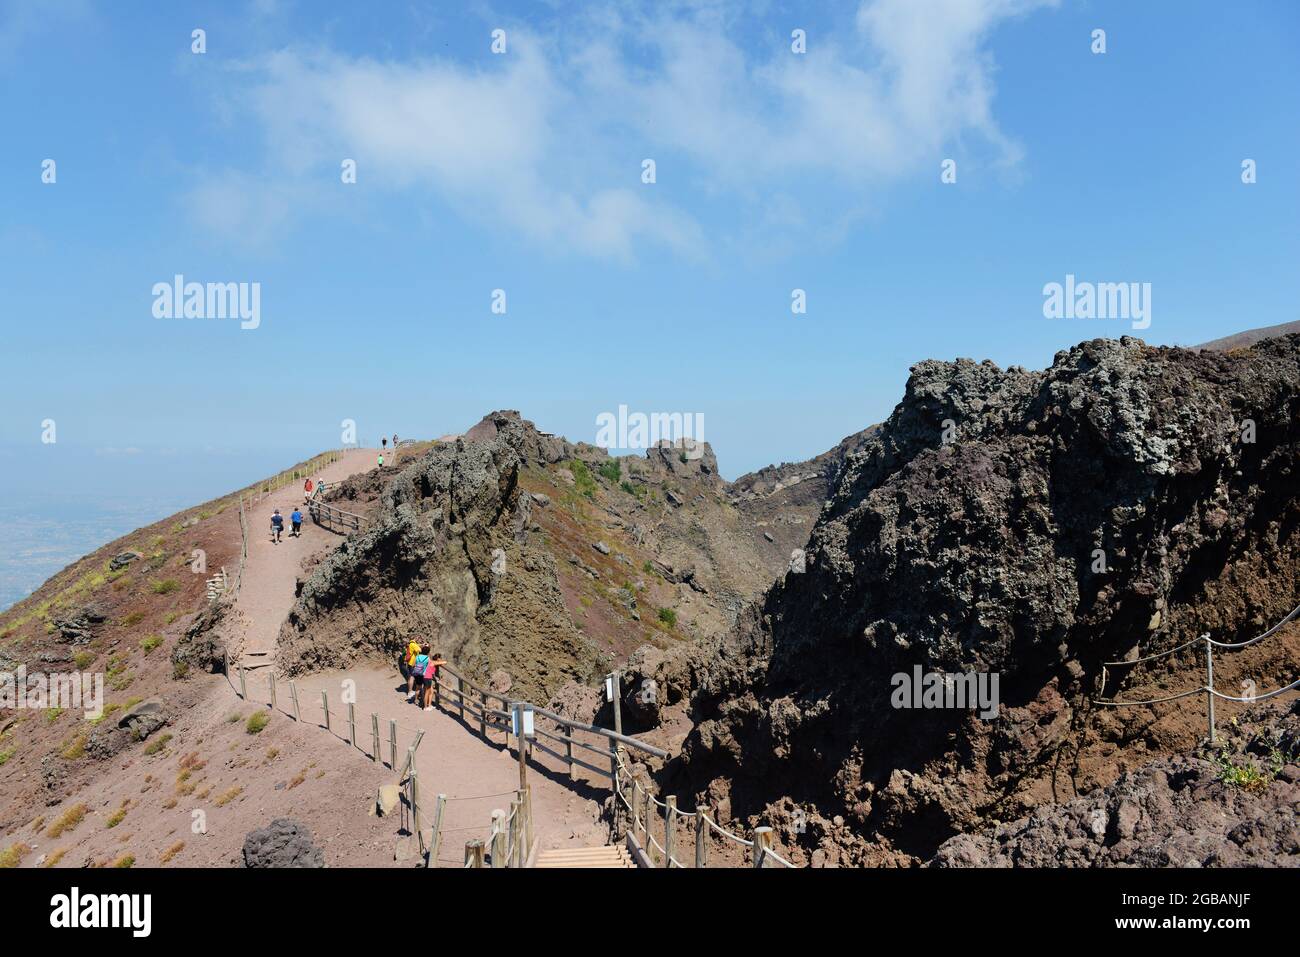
(80, 627)
(285, 843)
(1028, 524)
(1177, 812)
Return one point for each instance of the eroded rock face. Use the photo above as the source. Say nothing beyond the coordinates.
(283, 843)
(449, 559)
(82, 626)
(1028, 524)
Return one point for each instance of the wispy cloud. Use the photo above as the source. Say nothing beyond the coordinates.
(546, 141)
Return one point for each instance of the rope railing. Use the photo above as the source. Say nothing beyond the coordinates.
(1208, 689)
(644, 824)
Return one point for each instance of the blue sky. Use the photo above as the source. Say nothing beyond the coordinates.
(521, 171)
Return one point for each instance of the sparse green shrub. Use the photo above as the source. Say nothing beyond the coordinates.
(150, 642)
(256, 722)
(157, 744)
(179, 670)
(582, 478)
(132, 618)
(668, 617)
(126, 860)
(164, 587)
(84, 659)
(612, 470)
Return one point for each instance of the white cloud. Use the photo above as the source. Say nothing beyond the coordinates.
(547, 140)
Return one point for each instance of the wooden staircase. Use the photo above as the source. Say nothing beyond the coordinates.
(609, 855)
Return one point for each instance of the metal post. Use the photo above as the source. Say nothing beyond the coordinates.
(352, 724)
(762, 838)
(272, 690)
(293, 693)
(374, 736)
(415, 810)
(325, 706)
(701, 835)
(1209, 684)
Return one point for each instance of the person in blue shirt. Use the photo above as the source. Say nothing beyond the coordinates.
(277, 526)
(296, 519)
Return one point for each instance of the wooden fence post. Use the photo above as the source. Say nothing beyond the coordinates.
(410, 754)
(460, 695)
(272, 690)
(243, 687)
(293, 693)
(701, 836)
(498, 838)
(636, 809)
(374, 736)
(647, 805)
(325, 706)
(474, 852)
(516, 822)
(392, 745)
(352, 724)
(567, 729)
(415, 810)
(528, 820)
(762, 838)
(435, 841)
(482, 715)
(670, 830)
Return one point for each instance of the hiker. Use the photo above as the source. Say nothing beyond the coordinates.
(277, 526)
(385, 442)
(296, 520)
(306, 490)
(394, 440)
(417, 670)
(431, 675)
(381, 460)
(407, 667)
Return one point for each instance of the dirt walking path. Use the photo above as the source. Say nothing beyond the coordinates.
(477, 776)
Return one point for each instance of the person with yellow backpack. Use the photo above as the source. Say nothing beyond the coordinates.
(407, 666)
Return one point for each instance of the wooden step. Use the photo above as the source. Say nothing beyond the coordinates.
(606, 856)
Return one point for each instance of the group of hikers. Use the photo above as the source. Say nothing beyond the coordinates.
(384, 448)
(419, 667)
(277, 525)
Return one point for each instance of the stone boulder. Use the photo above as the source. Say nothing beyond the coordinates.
(284, 843)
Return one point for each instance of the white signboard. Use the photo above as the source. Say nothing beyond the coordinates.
(528, 722)
(609, 688)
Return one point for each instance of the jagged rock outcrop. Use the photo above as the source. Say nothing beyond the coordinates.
(447, 557)
(1025, 524)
